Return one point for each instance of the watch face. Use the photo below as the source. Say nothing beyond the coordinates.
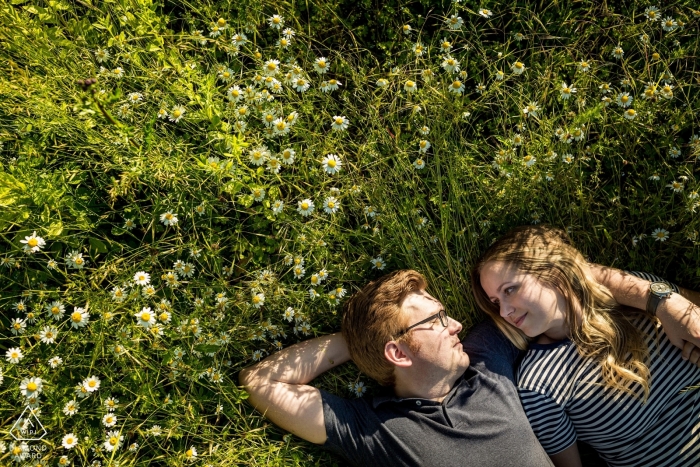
(661, 288)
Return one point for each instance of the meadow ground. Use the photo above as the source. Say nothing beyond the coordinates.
(186, 187)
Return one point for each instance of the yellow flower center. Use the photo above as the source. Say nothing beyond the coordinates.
(78, 260)
(145, 316)
(176, 113)
(331, 204)
(338, 121)
(518, 65)
(33, 242)
(221, 22)
(281, 125)
(163, 316)
(624, 98)
(271, 66)
(331, 163)
(168, 216)
(76, 316)
(304, 206)
(655, 56)
(55, 310)
(32, 386)
(189, 452)
(410, 83)
(92, 384)
(113, 440)
(332, 82)
(256, 299)
(457, 84)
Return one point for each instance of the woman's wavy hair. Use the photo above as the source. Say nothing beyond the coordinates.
(604, 332)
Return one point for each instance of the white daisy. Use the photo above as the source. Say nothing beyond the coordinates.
(630, 114)
(275, 21)
(30, 387)
(142, 278)
(378, 263)
(517, 67)
(584, 66)
(450, 64)
(168, 218)
(340, 123)
(331, 205)
(331, 164)
(55, 362)
(321, 65)
(258, 299)
(456, 87)
(652, 13)
(277, 207)
(48, 334)
(660, 235)
(287, 156)
(410, 86)
(176, 113)
(305, 207)
(566, 91)
(624, 99)
(146, 317)
(32, 243)
(423, 145)
(109, 420)
(91, 384)
(454, 22)
(419, 164)
(71, 408)
(382, 83)
(79, 318)
(69, 441)
(113, 441)
(13, 355)
(257, 156)
(485, 13)
(191, 453)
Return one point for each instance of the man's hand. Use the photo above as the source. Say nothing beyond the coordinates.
(681, 320)
(679, 314)
(278, 385)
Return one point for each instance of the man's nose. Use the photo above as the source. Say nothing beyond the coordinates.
(457, 328)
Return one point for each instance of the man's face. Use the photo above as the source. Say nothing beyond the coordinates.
(435, 348)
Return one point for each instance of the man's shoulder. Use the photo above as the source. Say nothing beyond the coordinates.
(490, 350)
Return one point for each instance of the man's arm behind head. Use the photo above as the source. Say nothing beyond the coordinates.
(278, 386)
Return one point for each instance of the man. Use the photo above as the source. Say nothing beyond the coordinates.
(448, 402)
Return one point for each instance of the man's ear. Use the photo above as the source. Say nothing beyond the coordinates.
(397, 354)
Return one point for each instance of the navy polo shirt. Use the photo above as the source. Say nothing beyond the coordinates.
(479, 423)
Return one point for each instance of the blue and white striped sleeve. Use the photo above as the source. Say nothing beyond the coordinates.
(549, 421)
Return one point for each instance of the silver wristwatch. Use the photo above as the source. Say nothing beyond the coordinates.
(657, 292)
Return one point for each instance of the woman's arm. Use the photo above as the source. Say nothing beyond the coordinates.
(569, 457)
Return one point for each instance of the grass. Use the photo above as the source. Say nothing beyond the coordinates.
(92, 168)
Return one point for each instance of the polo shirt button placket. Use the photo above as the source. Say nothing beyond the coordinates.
(418, 403)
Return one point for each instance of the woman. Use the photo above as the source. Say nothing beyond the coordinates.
(592, 371)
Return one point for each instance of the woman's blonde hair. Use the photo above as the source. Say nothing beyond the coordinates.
(604, 332)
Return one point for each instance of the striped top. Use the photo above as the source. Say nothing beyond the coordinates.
(565, 400)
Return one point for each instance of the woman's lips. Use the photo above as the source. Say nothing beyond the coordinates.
(520, 320)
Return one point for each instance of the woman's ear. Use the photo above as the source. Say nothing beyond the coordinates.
(397, 354)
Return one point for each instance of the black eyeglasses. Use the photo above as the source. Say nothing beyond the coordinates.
(441, 315)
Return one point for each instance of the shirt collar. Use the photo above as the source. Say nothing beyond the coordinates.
(387, 395)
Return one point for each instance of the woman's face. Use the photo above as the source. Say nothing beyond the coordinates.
(524, 301)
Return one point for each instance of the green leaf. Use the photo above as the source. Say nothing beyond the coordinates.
(97, 245)
(9, 185)
(55, 229)
(207, 348)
